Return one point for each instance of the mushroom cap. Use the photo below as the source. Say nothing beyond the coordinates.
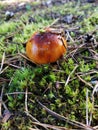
(45, 47)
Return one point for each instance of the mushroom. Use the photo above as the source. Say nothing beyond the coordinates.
(46, 47)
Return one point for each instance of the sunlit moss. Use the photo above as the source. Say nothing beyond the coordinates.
(47, 83)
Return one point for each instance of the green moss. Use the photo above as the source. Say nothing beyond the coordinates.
(7, 27)
(47, 82)
(6, 125)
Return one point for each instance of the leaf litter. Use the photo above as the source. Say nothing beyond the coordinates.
(68, 89)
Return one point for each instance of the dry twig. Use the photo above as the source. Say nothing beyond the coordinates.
(88, 84)
(2, 63)
(93, 100)
(26, 108)
(33, 128)
(1, 96)
(70, 75)
(3, 69)
(87, 106)
(33, 118)
(26, 100)
(69, 36)
(50, 126)
(56, 115)
(15, 93)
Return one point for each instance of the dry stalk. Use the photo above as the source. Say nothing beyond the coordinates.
(6, 113)
(54, 22)
(15, 93)
(33, 118)
(69, 36)
(67, 81)
(33, 128)
(15, 66)
(87, 106)
(11, 59)
(26, 108)
(2, 62)
(3, 80)
(93, 99)
(11, 79)
(74, 49)
(26, 100)
(88, 84)
(87, 73)
(4, 69)
(1, 96)
(56, 115)
(25, 57)
(50, 126)
(95, 88)
(96, 127)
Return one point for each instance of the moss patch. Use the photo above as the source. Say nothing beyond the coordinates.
(64, 89)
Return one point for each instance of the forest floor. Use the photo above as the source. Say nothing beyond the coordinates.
(58, 96)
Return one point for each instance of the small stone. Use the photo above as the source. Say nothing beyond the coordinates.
(68, 18)
(31, 19)
(21, 4)
(9, 14)
(90, 1)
